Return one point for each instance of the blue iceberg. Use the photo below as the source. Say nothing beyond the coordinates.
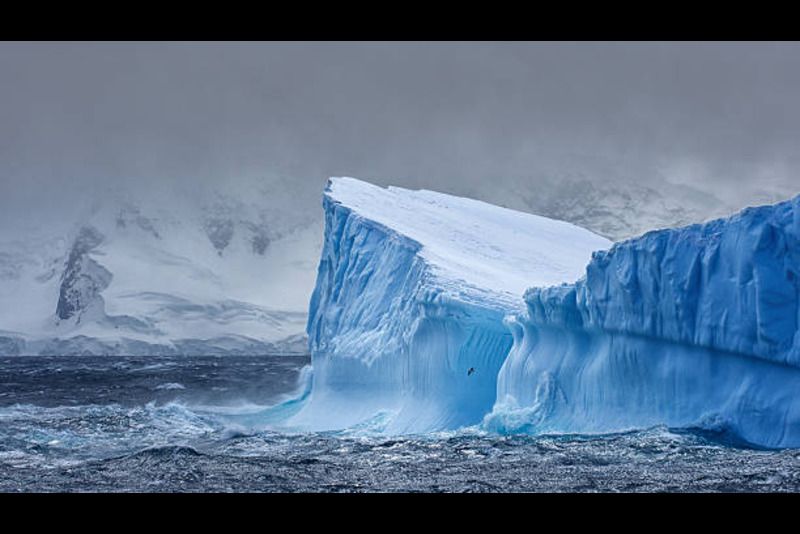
(435, 312)
(694, 326)
(406, 320)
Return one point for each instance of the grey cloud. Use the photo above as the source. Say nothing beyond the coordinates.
(83, 116)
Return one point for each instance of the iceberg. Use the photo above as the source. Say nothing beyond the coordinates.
(434, 312)
(695, 326)
(406, 319)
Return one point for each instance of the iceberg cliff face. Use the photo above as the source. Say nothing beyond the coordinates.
(421, 316)
(689, 326)
(406, 318)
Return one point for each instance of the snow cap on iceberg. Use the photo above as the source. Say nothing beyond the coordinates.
(488, 247)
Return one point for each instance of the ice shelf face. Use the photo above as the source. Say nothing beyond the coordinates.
(418, 321)
(406, 319)
(689, 326)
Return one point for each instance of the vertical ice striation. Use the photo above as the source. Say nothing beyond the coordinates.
(421, 315)
(689, 326)
(406, 319)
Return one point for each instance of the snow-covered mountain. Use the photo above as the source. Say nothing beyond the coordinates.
(610, 204)
(209, 274)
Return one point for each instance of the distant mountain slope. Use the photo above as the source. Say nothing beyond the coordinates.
(614, 208)
(128, 277)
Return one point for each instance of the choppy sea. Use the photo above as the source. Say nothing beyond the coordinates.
(199, 424)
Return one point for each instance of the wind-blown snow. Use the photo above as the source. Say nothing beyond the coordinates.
(412, 286)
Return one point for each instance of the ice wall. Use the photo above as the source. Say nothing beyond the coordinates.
(688, 326)
(417, 321)
(406, 320)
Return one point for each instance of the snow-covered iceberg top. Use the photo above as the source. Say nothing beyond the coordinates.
(472, 245)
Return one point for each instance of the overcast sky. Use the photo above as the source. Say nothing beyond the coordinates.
(81, 116)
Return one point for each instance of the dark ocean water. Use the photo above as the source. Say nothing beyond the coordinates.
(171, 424)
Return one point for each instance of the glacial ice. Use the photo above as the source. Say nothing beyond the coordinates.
(420, 320)
(411, 292)
(695, 326)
